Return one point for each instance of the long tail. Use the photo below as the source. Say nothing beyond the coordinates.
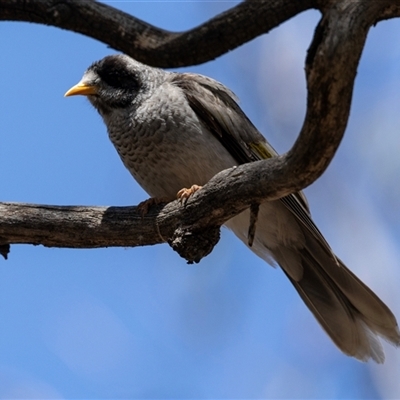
(350, 313)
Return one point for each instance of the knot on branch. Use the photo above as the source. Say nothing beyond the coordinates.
(194, 245)
(4, 250)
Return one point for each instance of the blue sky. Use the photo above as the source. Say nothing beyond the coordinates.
(141, 323)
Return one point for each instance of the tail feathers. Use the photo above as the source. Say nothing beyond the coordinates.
(375, 313)
(350, 313)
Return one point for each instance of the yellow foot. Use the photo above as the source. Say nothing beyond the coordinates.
(144, 206)
(185, 193)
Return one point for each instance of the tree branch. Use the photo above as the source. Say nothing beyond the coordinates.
(152, 45)
(224, 196)
(192, 230)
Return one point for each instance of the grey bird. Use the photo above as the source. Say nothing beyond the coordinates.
(176, 130)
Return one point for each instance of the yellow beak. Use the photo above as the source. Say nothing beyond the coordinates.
(82, 89)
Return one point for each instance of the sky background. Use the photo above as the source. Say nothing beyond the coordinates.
(141, 323)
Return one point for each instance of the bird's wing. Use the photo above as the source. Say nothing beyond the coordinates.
(216, 107)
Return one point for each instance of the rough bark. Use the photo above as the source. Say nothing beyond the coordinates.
(331, 67)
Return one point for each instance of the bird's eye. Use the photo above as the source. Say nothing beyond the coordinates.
(118, 83)
(118, 78)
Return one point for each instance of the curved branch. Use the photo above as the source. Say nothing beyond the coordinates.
(331, 68)
(224, 196)
(152, 45)
(392, 10)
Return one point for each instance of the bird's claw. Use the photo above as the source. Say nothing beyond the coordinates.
(185, 193)
(144, 206)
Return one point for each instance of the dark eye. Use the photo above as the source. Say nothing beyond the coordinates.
(120, 79)
(115, 74)
(117, 81)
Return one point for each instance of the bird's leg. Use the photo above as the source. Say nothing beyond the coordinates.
(185, 193)
(144, 206)
(254, 208)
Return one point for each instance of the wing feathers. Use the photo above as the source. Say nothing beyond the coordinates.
(348, 310)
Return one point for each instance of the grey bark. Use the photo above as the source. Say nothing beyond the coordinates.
(331, 67)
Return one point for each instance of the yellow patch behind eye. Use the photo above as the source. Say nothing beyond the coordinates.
(261, 150)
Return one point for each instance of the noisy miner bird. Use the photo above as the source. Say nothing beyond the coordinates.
(177, 130)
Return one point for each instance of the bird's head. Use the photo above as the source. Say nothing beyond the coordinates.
(112, 83)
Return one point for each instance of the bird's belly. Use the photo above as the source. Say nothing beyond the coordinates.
(276, 229)
(163, 163)
(166, 161)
